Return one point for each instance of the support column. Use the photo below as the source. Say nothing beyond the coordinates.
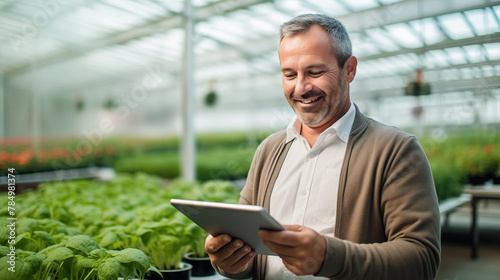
(3, 107)
(36, 118)
(188, 147)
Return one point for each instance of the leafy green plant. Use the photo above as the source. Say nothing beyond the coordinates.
(27, 264)
(220, 191)
(448, 179)
(195, 237)
(77, 229)
(163, 242)
(78, 258)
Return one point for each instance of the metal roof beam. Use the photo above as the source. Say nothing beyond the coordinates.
(449, 67)
(495, 37)
(407, 11)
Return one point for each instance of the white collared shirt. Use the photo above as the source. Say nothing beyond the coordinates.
(305, 192)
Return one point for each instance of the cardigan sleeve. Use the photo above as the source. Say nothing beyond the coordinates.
(407, 209)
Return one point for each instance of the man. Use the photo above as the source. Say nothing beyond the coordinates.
(357, 197)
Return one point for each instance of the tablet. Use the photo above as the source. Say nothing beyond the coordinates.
(239, 221)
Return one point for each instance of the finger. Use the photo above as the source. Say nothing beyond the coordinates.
(233, 257)
(227, 255)
(293, 227)
(214, 244)
(283, 238)
(241, 257)
(281, 250)
(271, 242)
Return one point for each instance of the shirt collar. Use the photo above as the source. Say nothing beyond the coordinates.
(342, 127)
(344, 124)
(293, 129)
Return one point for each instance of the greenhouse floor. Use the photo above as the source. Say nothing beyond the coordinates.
(456, 263)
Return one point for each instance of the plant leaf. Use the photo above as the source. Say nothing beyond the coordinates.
(82, 243)
(59, 254)
(4, 250)
(109, 239)
(51, 248)
(131, 255)
(109, 269)
(98, 253)
(23, 270)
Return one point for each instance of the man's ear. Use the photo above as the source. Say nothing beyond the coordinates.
(350, 68)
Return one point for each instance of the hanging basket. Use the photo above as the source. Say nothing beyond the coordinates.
(211, 99)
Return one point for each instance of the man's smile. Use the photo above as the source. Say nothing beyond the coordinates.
(309, 101)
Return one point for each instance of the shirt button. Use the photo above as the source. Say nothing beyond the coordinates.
(304, 192)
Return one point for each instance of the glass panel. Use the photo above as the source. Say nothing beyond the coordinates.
(496, 9)
(493, 50)
(199, 3)
(455, 26)
(205, 46)
(360, 5)
(404, 35)
(439, 58)
(363, 45)
(208, 30)
(379, 37)
(332, 8)
(385, 2)
(268, 12)
(483, 21)
(257, 24)
(474, 53)
(428, 29)
(294, 7)
(457, 55)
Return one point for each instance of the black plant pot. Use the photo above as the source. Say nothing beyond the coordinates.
(201, 265)
(476, 180)
(183, 273)
(496, 180)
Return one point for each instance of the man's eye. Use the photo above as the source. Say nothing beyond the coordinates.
(316, 73)
(289, 76)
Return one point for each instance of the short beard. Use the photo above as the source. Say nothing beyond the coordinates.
(328, 111)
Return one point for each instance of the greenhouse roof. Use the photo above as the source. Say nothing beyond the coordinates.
(76, 46)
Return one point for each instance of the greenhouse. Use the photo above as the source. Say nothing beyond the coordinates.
(110, 108)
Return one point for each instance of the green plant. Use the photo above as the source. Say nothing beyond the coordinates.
(78, 258)
(95, 220)
(163, 242)
(196, 236)
(449, 179)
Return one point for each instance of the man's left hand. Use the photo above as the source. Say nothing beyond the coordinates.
(302, 249)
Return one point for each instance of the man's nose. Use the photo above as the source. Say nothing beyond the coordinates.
(303, 85)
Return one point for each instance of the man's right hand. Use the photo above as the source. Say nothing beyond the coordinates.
(232, 256)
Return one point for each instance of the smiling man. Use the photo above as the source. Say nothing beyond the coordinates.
(357, 197)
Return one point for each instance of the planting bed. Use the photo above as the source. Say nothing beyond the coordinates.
(103, 230)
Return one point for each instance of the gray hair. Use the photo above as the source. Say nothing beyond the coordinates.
(341, 44)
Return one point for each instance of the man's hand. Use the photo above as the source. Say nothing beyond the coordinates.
(302, 249)
(232, 256)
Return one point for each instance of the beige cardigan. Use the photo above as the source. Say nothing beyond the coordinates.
(387, 225)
